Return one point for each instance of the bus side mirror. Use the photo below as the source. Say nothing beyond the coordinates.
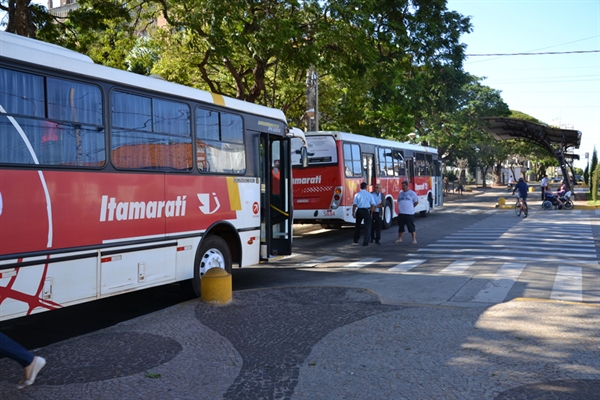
(304, 157)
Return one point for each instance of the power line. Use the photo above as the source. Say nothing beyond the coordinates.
(532, 54)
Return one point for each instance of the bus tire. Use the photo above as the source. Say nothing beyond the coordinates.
(388, 215)
(212, 253)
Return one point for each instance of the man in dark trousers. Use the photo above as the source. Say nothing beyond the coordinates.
(362, 207)
(376, 224)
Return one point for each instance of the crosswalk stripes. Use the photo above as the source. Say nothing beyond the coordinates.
(457, 267)
(564, 236)
(496, 290)
(568, 284)
(560, 241)
(362, 263)
(406, 265)
(316, 261)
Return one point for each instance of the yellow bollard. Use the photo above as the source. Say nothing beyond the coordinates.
(215, 286)
(501, 201)
(531, 189)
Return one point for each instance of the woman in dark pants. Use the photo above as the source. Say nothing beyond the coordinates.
(31, 364)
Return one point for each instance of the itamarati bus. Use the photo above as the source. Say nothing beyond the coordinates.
(112, 182)
(337, 164)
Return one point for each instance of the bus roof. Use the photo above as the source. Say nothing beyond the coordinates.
(371, 140)
(47, 55)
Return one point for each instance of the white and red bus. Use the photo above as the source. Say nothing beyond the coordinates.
(337, 164)
(112, 182)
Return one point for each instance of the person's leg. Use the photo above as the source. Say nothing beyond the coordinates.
(400, 227)
(357, 226)
(11, 349)
(373, 227)
(367, 228)
(31, 364)
(411, 228)
(377, 227)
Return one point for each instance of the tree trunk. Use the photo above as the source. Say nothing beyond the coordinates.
(20, 20)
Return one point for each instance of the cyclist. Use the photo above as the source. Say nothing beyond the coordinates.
(523, 188)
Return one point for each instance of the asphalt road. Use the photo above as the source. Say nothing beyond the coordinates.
(469, 253)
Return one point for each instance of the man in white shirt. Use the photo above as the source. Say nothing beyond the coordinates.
(407, 201)
(544, 186)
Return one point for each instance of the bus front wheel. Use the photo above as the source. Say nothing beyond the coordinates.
(212, 253)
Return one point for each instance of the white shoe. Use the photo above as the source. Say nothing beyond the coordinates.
(31, 372)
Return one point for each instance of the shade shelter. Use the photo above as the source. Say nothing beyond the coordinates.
(556, 141)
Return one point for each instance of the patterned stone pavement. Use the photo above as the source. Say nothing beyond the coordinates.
(327, 343)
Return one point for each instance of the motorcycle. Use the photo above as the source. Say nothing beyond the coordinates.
(553, 200)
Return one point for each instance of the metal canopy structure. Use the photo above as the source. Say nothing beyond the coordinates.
(555, 141)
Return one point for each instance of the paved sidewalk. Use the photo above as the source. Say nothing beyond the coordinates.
(327, 343)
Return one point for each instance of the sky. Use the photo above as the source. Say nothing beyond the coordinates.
(560, 90)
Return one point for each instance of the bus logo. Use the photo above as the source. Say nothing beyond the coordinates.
(204, 199)
(111, 210)
(255, 208)
(310, 180)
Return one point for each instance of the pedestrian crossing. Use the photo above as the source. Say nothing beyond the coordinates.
(506, 247)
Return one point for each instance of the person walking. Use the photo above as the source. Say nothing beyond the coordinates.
(31, 364)
(376, 224)
(362, 207)
(544, 187)
(407, 201)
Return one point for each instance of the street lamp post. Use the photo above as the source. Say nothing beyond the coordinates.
(477, 172)
(312, 98)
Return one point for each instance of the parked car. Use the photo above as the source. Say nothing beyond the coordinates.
(556, 179)
(579, 178)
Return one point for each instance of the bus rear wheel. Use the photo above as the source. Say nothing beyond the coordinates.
(388, 215)
(212, 253)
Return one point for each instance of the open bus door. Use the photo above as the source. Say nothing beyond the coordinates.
(369, 171)
(276, 197)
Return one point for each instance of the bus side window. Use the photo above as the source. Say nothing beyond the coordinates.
(399, 164)
(75, 134)
(220, 142)
(150, 133)
(352, 159)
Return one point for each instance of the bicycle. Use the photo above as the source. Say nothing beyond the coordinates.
(521, 207)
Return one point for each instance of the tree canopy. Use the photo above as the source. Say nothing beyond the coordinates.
(386, 67)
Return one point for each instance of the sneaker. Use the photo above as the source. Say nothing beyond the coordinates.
(377, 242)
(414, 242)
(31, 372)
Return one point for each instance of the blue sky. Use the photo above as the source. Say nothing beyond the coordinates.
(559, 89)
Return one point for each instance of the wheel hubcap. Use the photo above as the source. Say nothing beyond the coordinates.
(213, 258)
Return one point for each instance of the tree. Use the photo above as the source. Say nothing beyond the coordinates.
(385, 66)
(594, 180)
(25, 18)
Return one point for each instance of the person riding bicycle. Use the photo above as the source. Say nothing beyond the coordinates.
(523, 189)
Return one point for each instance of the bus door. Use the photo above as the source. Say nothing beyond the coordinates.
(410, 172)
(438, 182)
(368, 170)
(276, 199)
